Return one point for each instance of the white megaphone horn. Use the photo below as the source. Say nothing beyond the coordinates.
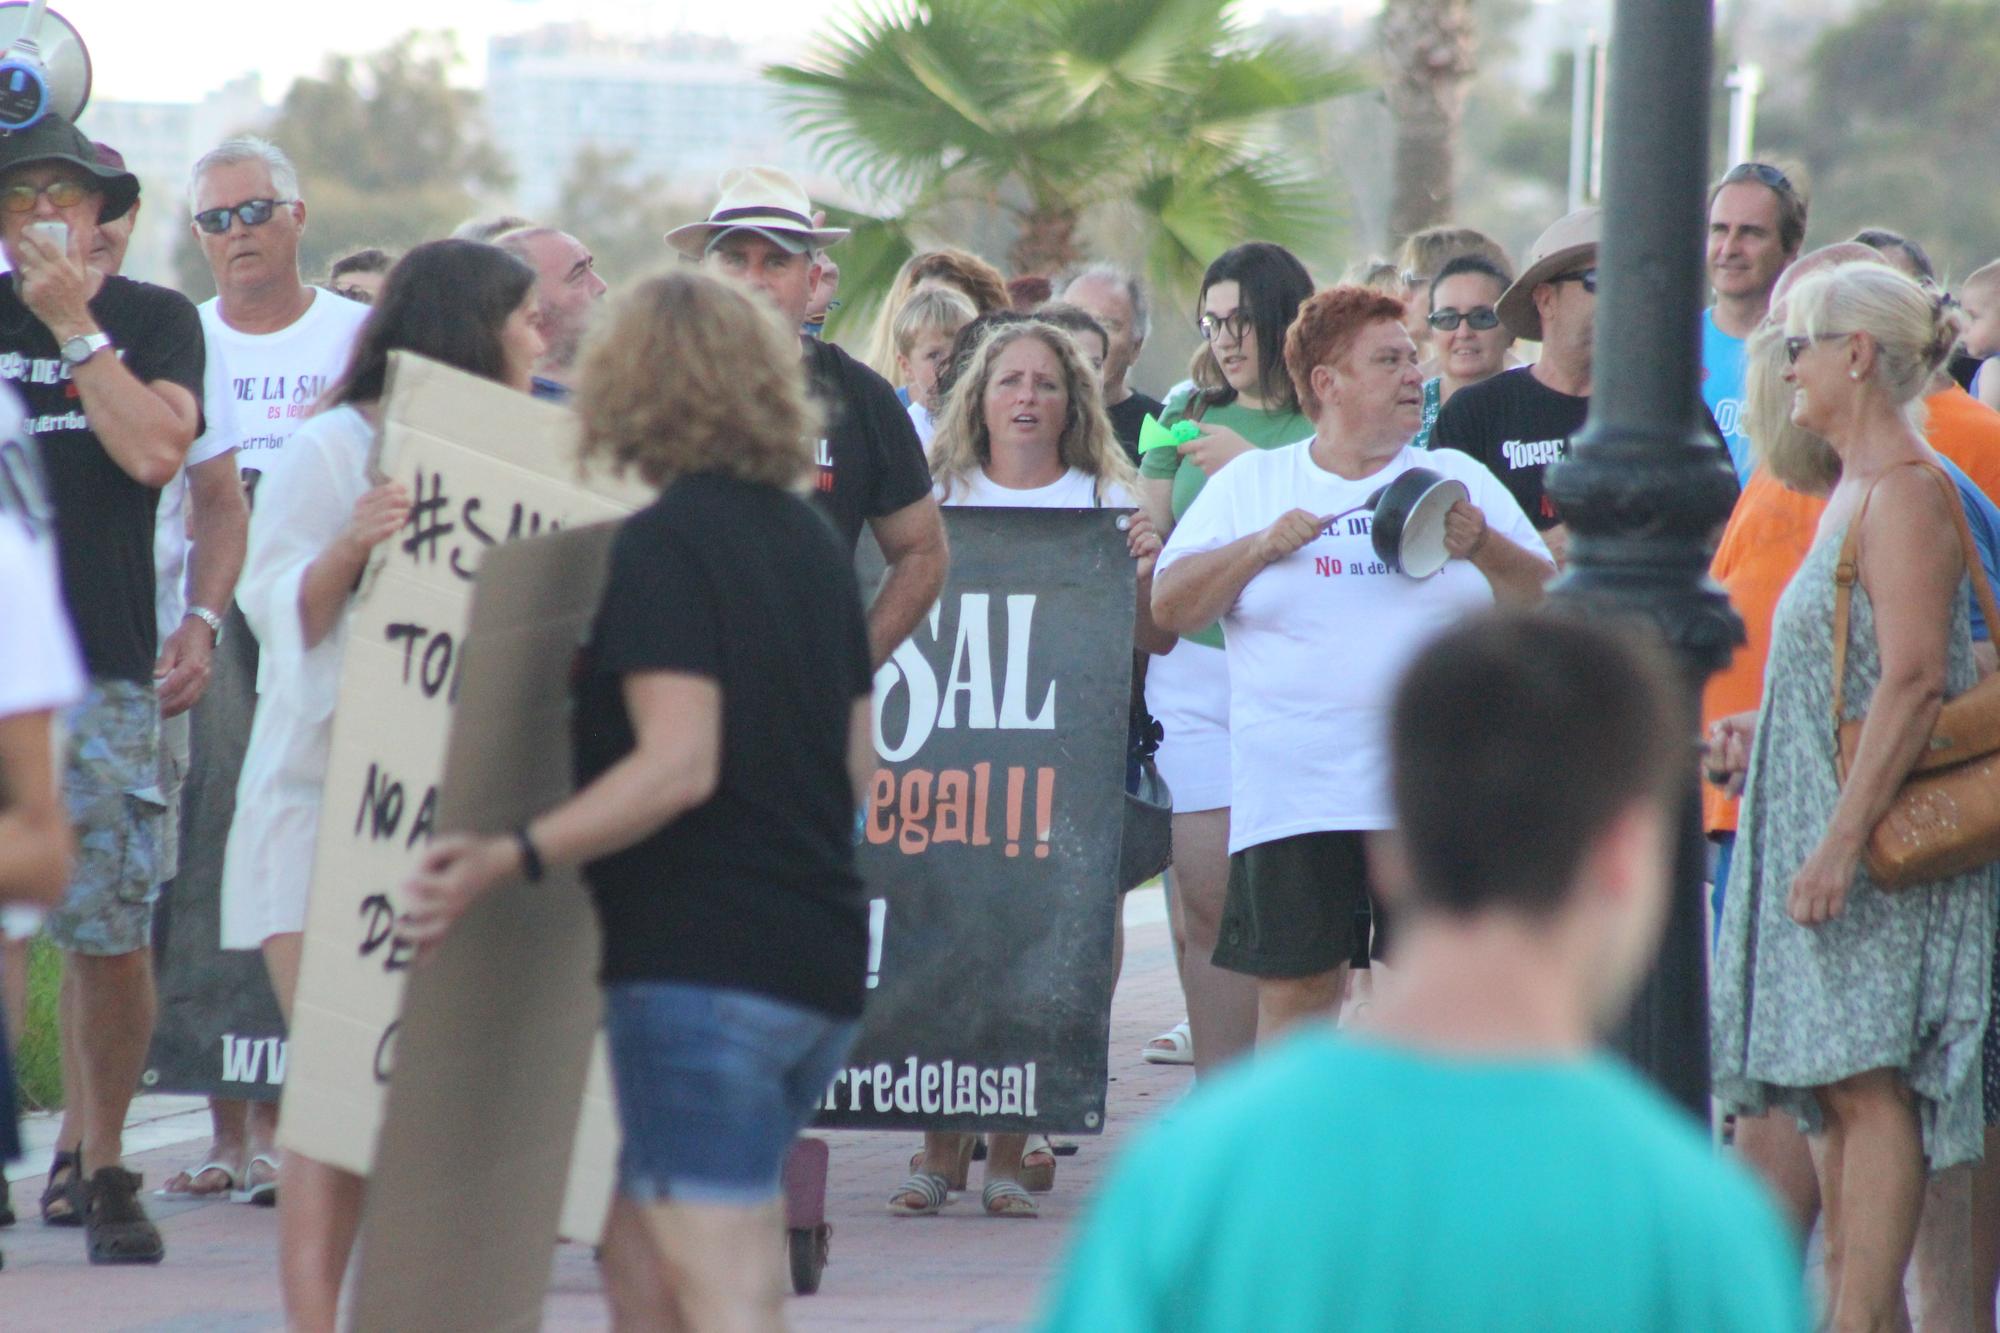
(43, 68)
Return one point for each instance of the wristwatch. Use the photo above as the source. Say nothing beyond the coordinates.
(210, 619)
(77, 350)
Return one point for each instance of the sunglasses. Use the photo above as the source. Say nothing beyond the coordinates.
(1588, 277)
(1235, 325)
(1481, 317)
(252, 212)
(61, 193)
(1763, 173)
(1796, 347)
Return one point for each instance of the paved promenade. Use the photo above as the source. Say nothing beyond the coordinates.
(961, 1270)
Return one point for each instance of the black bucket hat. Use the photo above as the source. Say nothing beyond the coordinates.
(53, 139)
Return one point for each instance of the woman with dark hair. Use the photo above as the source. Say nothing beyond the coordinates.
(1470, 341)
(319, 516)
(1243, 400)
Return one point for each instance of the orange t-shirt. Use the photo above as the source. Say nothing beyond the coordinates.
(1766, 541)
(1967, 432)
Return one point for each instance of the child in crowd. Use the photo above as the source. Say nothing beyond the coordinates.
(923, 329)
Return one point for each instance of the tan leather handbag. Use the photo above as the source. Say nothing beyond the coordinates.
(1946, 819)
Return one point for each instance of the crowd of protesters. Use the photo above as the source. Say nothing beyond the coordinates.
(186, 508)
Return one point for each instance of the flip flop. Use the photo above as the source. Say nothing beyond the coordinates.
(263, 1193)
(1175, 1046)
(929, 1187)
(180, 1185)
(1006, 1198)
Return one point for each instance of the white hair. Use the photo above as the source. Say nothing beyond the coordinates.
(1135, 292)
(246, 148)
(1914, 331)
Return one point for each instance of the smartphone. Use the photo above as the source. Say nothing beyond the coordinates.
(55, 233)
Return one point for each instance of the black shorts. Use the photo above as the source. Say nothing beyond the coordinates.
(1300, 906)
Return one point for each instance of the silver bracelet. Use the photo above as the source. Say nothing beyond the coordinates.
(208, 618)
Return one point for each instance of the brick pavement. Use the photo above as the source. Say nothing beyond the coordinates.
(959, 1271)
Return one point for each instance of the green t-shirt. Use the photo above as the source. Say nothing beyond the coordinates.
(1266, 430)
(1342, 1184)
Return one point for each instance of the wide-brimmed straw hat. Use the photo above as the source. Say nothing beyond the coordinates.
(760, 199)
(53, 139)
(1569, 242)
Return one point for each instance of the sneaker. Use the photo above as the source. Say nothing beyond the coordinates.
(116, 1229)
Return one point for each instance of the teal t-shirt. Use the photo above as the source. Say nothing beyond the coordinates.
(1433, 404)
(1340, 1184)
(1265, 429)
(1723, 359)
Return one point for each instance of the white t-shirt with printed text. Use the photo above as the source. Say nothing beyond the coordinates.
(258, 388)
(1317, 641)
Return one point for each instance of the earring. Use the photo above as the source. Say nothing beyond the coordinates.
(1854, 374)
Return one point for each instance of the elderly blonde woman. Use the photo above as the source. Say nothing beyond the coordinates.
(1860, 1012)
(1024, 428)
(721, 735)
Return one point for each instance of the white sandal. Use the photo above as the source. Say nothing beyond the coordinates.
(1175, 1046)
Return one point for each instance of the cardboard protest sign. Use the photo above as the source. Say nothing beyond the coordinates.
(991, 836)
(485, 465)
(498, 1027)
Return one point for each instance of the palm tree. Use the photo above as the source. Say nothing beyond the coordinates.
(1049, 111)
(1428, 48)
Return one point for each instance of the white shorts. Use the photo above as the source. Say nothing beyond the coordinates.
(1187, 692)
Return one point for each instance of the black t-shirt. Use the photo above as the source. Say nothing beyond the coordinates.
(1127, 416)
(756, 889)
(1517, 426)
(870, 461)
(1964, 368)
(104, 519)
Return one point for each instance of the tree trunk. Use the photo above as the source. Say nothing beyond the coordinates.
(1046, 244)
(1427, 48)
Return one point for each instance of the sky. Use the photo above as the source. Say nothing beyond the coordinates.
(157, 51)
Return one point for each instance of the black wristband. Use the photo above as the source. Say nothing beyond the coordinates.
(532, 868)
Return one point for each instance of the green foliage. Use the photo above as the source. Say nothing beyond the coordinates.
(1060, 111)
(38, 1064)
(623, 220)
(389, 154)
(1902, 125)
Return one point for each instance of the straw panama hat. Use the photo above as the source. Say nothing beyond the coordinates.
(760, 199)
(1568, 241)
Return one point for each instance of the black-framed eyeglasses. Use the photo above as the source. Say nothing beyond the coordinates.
(1480, 317)
(1235, 324)
(251, 212)
(1761, 172)
(63, 193)
(1586, 276)
(1795, 347)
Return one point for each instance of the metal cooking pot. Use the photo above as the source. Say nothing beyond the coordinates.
(1408, 531)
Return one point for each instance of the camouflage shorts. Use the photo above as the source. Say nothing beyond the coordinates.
(111, 783)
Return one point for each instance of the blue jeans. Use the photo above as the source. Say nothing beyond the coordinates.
(713, 1086)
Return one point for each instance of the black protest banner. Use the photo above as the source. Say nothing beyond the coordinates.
(990, 834)
(219, 1031)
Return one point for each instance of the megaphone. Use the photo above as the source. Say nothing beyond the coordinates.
(44, 66)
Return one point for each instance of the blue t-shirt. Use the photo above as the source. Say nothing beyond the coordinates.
(1982, 516)
(1345, 1184)
(1722, 359)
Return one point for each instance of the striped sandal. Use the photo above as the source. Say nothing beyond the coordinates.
(1006, 1198)
(926, 1188)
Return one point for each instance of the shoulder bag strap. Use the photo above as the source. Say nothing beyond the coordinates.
(1849, 569)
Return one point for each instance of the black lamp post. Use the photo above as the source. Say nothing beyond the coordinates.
(1644, 487)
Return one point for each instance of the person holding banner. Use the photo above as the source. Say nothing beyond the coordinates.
(722, 738)
(1025, 428)
(1278, 546)
(318, 519)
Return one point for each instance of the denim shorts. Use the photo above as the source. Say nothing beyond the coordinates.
(713, 1086)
